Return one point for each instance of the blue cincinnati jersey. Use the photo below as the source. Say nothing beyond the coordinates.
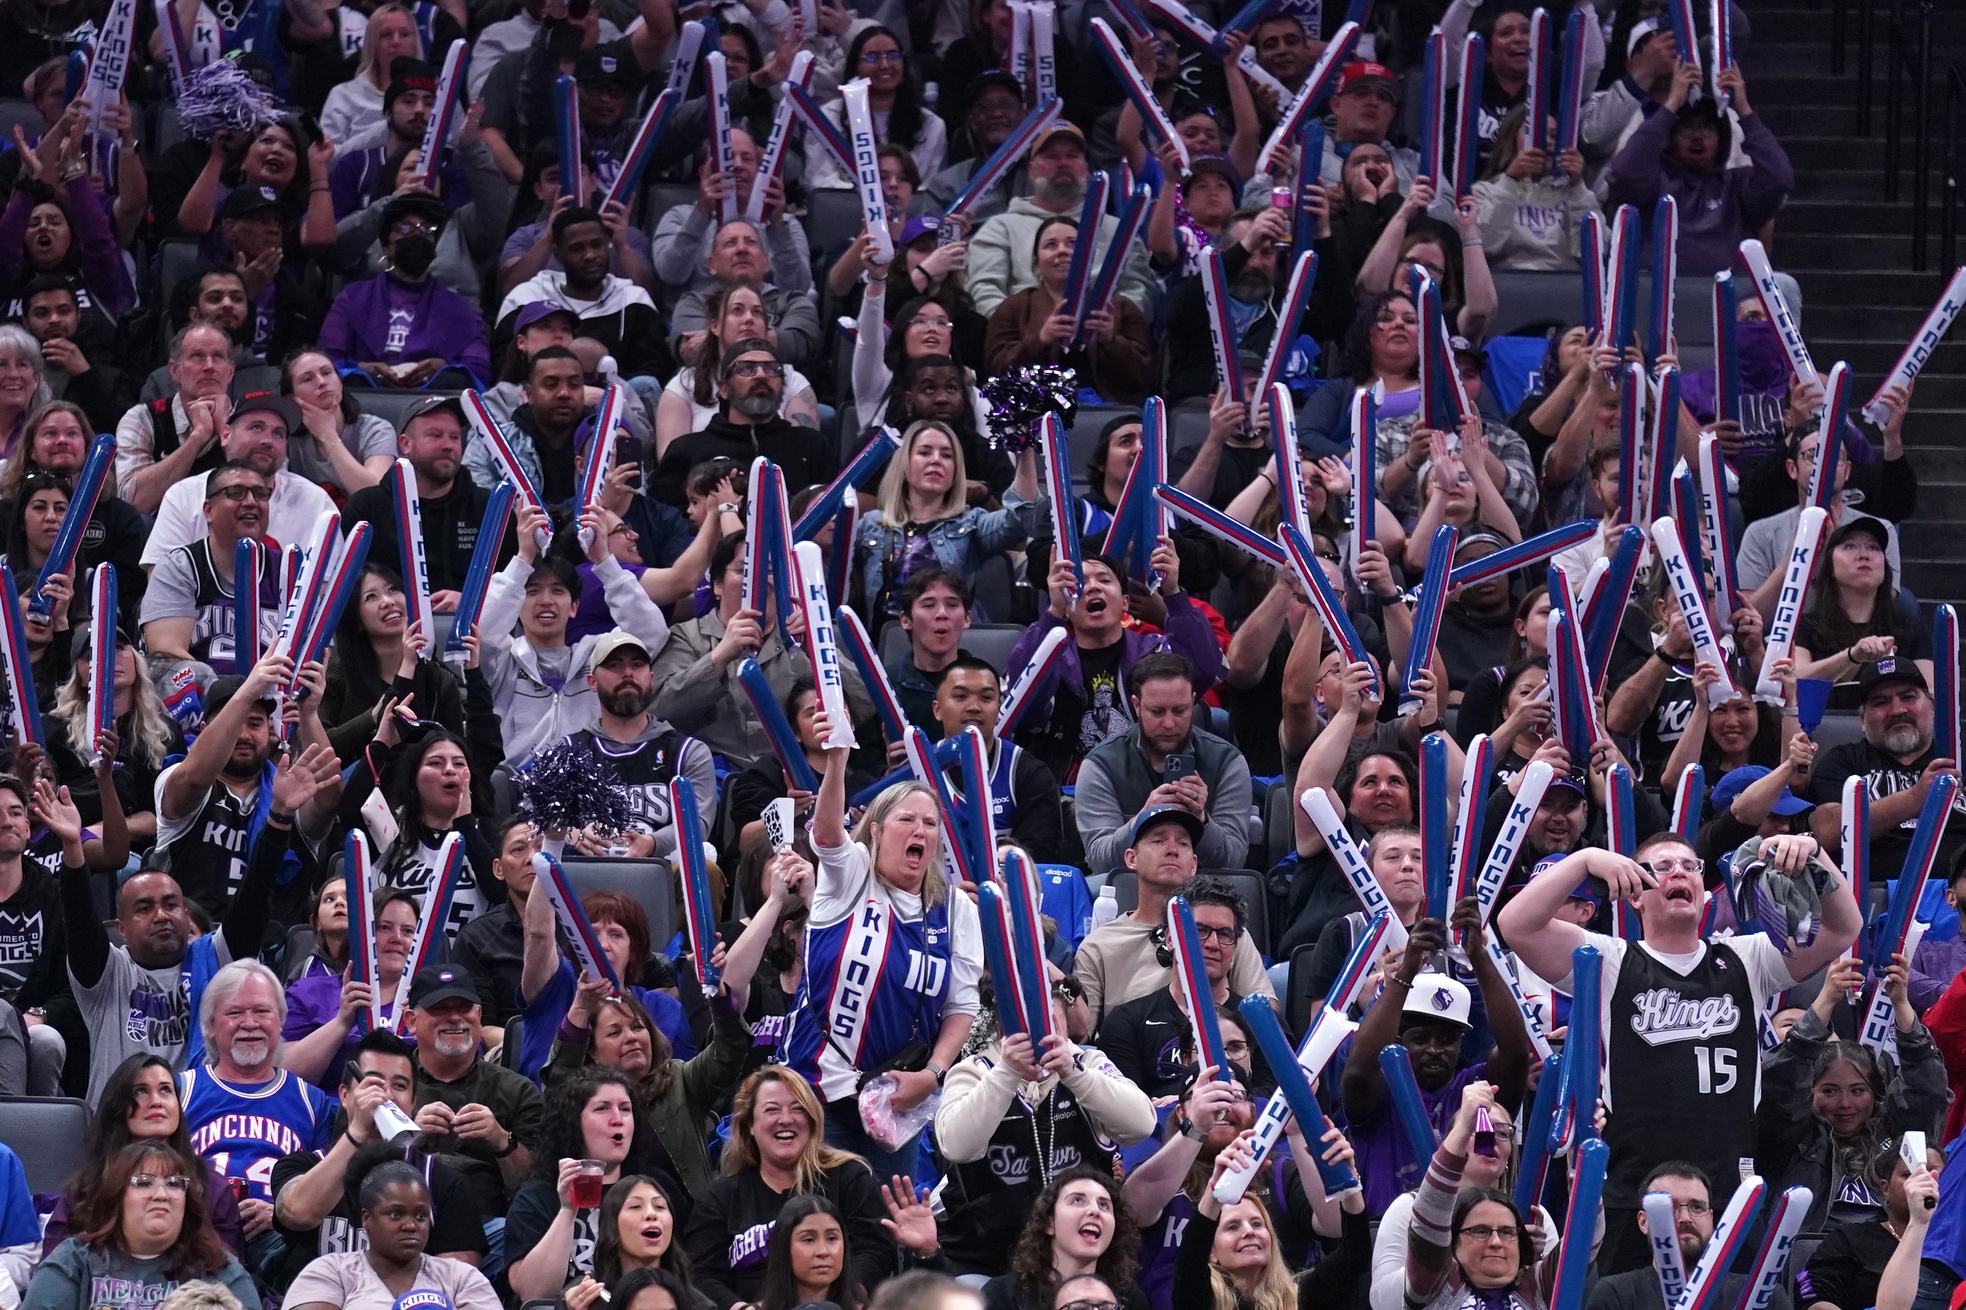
(243, 1131)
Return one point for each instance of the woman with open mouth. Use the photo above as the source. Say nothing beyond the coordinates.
(376, 659)
(639, 1229)
(1078, 1224)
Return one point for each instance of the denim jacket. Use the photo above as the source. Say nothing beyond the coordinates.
(962, 543)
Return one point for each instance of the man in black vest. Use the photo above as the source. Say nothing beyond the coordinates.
(452, 504)
(164, 441)
(1681, 1015)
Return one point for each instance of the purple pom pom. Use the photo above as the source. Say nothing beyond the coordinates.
(1021, 398)
(564, 787)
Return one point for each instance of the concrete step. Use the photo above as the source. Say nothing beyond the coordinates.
(1867, 216)
(1843, 282)
(1935, 465)
(1871, 355)
(1943, 392)
(1862, 183)
(1841, 250)
(1798, 54)
(1891, 324)
(1932, 424)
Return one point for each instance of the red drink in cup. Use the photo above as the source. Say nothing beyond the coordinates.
(587, 1184)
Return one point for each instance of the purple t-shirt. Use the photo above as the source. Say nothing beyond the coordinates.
(314, 999)
(1385, 1162)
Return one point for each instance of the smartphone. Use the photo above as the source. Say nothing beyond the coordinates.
(1180, 764)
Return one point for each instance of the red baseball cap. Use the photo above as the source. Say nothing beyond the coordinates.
(1365, 71)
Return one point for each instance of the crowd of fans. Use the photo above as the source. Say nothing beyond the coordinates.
(276, 317)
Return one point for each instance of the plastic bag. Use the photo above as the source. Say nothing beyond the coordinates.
(893, 1128)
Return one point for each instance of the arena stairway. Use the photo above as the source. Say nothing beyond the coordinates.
(1851, 251)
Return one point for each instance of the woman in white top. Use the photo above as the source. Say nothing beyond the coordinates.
(395, 1205)
(734, 312)
(894, 99)
(355, 107)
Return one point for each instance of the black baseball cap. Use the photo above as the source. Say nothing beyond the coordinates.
(1891, 668)
(1874, 528)
(431, 405)
(441, 983)
(415, 202)
(248, 200)
(273, 403)
(990, 77)
(1159, 814)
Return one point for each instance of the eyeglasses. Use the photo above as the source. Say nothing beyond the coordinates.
(155, 1182)
(1485, 1234)
(1227, 936)
(753, 368)
(621, 530)
(1233, 1049)
(1692, 1208)
(923, 320)
(1663, 867)
(238, 493)
(881, 56)
(1090, 1305)
(408, 225)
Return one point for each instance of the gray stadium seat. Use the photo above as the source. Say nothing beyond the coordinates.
(986, 641)
(1528, 303)
(15, 112)
(177, 263)
(661, 197)
(650, 882)
(832, 218)
(390, 405)
(1126, 889)
(48, 1134)
(1084, 439)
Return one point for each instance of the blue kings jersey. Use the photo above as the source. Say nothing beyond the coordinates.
(874, 981)
(243, 1131)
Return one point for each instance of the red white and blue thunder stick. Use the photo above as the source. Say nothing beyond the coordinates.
(1436, 826)
(1689, 590)
(1716, 526)
(1930, 333)
(699, 911)
(1631, 436)
(1464, 860)
(1661, 443)
(1777, 1243)
(1688, 798)
(1534, 1169)
(1730, 1238)
(1590, 268)
(597, 461)
(290, 561)
(819, 125)
(1005, 157)
(1570, 87)
(68, 537)
(1576, 712)
(437, 133)
(1679, 14)
(1576, 1114)
(1260, 1017)
(1365, 472)
(1285, 455)
(978, 807)
(655, 123)
(1396, 1067)
(1017, 697)
(809, 571)
(1329, 605)
(1018, 59)
(1296, 299)
(1427, 612)
(1945, 683)
(1919, 858)
(247, 558)
(1776, 305)
(689, 44)
(1151, 519)
(1880, 1028)
(427, 944)
(1316, 87)
(993, 908)
(1044, 58)
(1508, 839)
(1329, 1031)
(1855, 831)
(1532, 1019)
(1221, 326)
(1665, 272)
(102, 658)
(1133, 218)
(1245, 21)
(1605, 608)
(318, 628)
(1435, 124)
(409, 532)
(1192, 979)
(1352, 863)
(955, 852)
(1829, 435)
(859, 119)
(1662, 1229)
(586, 943)
(489, 431)
(1726, 350)
(1780, 640)
(177, 60)
(1139, 91)
(879, 449)
(773, 159)
(1586, 1194)
(1223, 528)
(1620, 811)
(1078, 275)
(1536, 89)
(1467, 127)
(1054, 452)
(1125, 527)
(866, 660)
(771, 716)
(310, 587)
(1020, 880)
(756, 558)
(566, 135)
(358, 877)
(477, 577)
(1721, 43)
(1523, 554)
(1621, 277)
(1347, 988)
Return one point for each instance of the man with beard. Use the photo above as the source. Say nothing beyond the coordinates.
(1249, 263)
(644, 752)
(1137, 771)
(187, 608)
(1898, 764)
(483, 1115)
(160, 443)
(677, 251)
(244, 1111)
(739, 253)
(69, 339)
(452, 505)
(612, 310)
(1693, 1222)
(996, 105)
(255, 437)
(1680, 1013)
(212, 804)
(138, 995)
(752, 374)
(1430, 1014)
(1143, 1037)
(357, 177)
(1002, 253)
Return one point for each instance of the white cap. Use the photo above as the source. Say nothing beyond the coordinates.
(1437, 996)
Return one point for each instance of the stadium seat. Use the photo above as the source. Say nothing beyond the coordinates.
(832, 218)
(15, 112)
(661, 197)
(986, 641)
(390, 405)
(650, 882)
(177, 263)
(994, 591)
(1126, 889)
(1087, 420)
(48, 1133)
(1298, 995)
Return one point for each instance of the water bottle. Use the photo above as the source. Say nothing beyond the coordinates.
(1107, 907)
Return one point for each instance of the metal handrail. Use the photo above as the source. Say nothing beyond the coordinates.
(1921, 151)
(1894, 102)
(1949, 188)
